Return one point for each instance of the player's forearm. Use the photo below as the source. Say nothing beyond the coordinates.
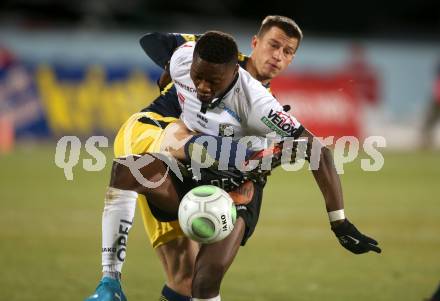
(164, 80)
(348, 235)
(328, 181)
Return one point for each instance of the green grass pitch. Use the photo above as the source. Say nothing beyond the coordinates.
(50, 231)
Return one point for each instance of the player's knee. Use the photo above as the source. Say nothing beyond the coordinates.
(122, 178)
(207, 280)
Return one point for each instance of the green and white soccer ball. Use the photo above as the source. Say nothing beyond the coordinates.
(207, 214)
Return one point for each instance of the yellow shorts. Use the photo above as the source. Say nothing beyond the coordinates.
(142, 133)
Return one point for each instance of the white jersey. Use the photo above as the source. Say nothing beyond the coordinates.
(247, 109)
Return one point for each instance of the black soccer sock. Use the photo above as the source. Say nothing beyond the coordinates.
(169, 295)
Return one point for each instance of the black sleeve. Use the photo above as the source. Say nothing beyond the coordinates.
(167, 104)
(160, 46)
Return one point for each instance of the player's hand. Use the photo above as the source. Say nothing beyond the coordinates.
(353, 240)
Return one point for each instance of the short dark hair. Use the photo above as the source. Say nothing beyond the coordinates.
(217, 47)
(284, 23)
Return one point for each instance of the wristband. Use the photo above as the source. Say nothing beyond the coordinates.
(336, 215)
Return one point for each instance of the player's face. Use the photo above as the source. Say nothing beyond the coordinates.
(211, 80)
(273, 52)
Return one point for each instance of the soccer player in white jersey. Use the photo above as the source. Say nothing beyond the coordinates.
(273, 48)
(207, 76)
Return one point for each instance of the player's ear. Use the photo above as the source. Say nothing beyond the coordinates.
(254, 42)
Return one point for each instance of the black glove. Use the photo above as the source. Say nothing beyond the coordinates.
(353, 240)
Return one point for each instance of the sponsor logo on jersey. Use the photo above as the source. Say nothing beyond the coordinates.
(203, 118)
(280, 122)
(225, 130)
(201, 123)
(181, 97)
(185, 87)
(230, 112)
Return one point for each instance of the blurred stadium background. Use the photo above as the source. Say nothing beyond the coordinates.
(76, 68)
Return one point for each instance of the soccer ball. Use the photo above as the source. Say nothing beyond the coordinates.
(207, 214)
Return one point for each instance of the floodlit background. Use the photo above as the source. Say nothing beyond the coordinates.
(363, 69)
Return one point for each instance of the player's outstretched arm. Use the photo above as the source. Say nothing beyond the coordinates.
(160, 46)
(325, 174)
